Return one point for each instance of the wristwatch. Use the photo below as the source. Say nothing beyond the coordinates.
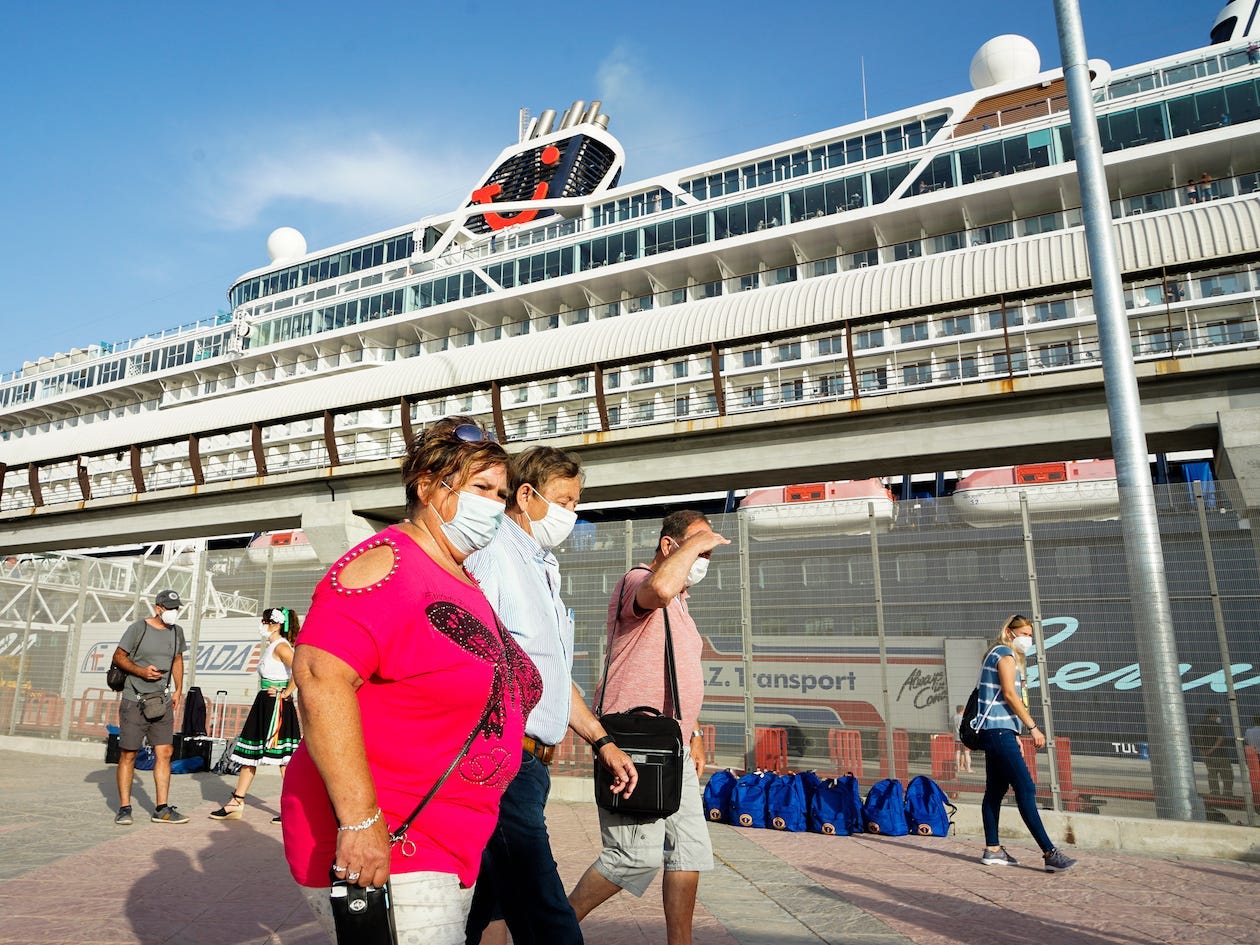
(697, 734)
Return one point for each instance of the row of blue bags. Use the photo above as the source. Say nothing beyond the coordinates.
(804, 801)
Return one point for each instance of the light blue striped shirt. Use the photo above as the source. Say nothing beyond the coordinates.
(521, 579)
(999, 715)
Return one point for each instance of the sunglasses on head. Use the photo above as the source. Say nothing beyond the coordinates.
(1014, 619)
(471, 433)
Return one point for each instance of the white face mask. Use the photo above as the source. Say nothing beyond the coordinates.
(474, 523)
(265, 629)
(1023, 644)
(170, 617)
(553, 528)
(697, 572)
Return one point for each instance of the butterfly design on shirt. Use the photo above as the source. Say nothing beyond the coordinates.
(515, 676)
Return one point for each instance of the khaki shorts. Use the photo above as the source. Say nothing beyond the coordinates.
(635, 848)
(133, 727)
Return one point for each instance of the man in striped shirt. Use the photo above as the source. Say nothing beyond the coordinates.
(520, 577)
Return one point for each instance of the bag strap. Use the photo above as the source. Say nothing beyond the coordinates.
(989, 708)
(144, 628)
(400, 835)
(671, 674)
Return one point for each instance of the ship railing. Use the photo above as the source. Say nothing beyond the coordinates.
(108, 349)
(1217, 312)
(1246, 185)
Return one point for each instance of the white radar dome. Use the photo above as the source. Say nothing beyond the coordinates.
(1003, 59)
(285, 243)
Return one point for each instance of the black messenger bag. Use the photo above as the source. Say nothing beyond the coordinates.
(651, 739)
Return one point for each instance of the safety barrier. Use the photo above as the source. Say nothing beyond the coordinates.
(844, 748)
(771, 749)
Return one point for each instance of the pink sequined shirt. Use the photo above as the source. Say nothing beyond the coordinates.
(431, 654)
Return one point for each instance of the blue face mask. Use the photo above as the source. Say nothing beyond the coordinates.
(474, 523)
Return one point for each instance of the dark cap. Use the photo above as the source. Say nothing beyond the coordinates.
(168, 600)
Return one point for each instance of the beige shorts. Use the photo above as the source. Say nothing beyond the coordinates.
(429, 908)
(635, 848)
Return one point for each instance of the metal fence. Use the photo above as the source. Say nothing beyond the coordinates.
(845, 645)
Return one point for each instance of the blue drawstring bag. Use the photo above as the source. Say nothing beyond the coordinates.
(928, 810)
(717, 796)
(748, 799)
(810, 781)
(836, 807)
(188, 765)
(885, 809)
(786, 808)
(145, 759)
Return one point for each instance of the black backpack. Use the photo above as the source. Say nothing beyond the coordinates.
(968, 733)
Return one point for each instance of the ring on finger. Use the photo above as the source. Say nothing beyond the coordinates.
(352, 876)
(338, 869)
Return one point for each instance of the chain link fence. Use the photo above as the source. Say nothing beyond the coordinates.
(846, 646)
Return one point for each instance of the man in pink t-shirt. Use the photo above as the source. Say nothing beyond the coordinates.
(636, 847)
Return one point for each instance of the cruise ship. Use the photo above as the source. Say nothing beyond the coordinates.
(937, 246)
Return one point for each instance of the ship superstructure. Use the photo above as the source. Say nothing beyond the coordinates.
(940, 245)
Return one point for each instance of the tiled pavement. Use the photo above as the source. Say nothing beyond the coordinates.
(68, 875)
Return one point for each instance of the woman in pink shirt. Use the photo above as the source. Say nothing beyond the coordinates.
(399, 662)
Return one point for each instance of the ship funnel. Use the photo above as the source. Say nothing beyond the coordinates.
(601, 120)
(545, 121)
(573, 115)
(593, 112)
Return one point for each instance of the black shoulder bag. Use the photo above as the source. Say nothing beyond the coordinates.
(652, 739)
(116, 676)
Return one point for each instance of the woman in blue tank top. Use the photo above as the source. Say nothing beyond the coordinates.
(1002, 712)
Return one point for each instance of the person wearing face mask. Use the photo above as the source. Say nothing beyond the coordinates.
(520, 576)
(411, 689)
(1001, 714)
(151, 652)
(635, 848)
(271, 733)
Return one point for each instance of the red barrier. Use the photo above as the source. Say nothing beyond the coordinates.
(901, 753)
(40, 711)
(844, 746)
(90, 714)
(945, 763)
(772, 754)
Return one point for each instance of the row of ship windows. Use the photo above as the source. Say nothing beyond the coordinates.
(810, 201)
(373, 433)
(1185, 115)
(627, 387)
(1207, 286)
(379, 253)
(1041, 148)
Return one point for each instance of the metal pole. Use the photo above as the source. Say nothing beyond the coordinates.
(1043, 666)
(883, 643)
(746, 640)
(268, 575)
(1209, 562)
(202, 579)
(26, 637)
(71, 659)
(1172, 767)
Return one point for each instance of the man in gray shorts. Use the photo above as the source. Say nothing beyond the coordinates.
(636, 847)
(151, 652)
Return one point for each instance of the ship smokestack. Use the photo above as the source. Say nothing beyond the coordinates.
(545, 121)
(573, 115)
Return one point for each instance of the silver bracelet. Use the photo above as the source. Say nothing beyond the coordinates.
(363, 826)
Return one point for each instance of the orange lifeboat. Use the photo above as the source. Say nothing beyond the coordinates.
(819, 508)
(1071, 491)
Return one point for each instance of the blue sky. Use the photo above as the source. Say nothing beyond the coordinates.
(151, 147)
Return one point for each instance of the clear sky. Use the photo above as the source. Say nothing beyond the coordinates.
(150, 147)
